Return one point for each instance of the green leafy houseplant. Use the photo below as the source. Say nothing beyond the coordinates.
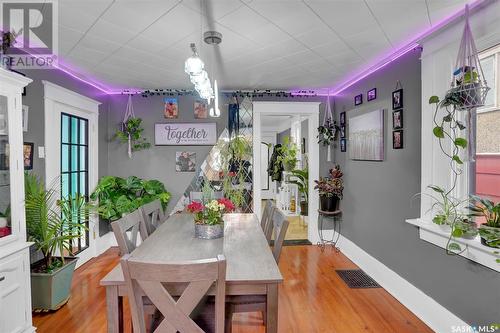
(487, 209)
(287, 154)
(327, 133)
(301, 179)
(52, 223)
(131, 129)
(115, 196)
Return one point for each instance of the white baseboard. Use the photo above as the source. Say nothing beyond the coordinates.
(105, 242)
(424, 307)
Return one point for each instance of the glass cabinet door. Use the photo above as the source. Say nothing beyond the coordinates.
(6, 229)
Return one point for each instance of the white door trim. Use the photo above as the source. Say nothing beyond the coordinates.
(56, 100)
(310, 111)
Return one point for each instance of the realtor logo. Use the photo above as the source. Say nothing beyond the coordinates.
(28, 33)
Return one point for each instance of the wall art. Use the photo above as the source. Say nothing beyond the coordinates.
(358, 99)
(397, 139)
(185, 161)
(171, 110)
(343, 145)
(371, 95)
(397, 119)
(397, 99)
(200, 110)
(342, 118)
(366, 136)
(184, 134)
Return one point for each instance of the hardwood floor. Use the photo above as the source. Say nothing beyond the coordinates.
(312, 299)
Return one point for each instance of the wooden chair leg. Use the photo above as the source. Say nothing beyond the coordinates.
(228, 321)
(264, 319)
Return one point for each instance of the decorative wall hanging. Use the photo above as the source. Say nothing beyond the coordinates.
(186, 134)
(130, 131)
(397, 139)
(342, 131)
(28, 148)
(185, 161)
(358, 99)
(366, 136)
(397, 119)
(327, 132)
(200, 110)
(343, 145)
(171, 110)
(342, 118)
(371, 95)
(397, 96)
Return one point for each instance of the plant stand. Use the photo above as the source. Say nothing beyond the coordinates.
(336, 218)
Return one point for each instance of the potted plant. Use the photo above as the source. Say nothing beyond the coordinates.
(115, 196)
(328, 132)
(131, 132)
(330, 190)
(52, 224)
(208, 219)
(301, 179)
(467, 87)
(490, 229)
(287, 154)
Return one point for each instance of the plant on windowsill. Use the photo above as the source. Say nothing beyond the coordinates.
(208, 218)
(52, 224)
(131, 132)
(331, 189)
(490, 230)
(115, 196)
(287, 154)
(301, 179)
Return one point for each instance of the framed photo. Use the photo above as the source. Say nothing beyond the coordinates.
(200, 110)
(343, 145)
(342, 118)
(25, 118)
(342, 131)
(397, 119)
(397, 139)
(28, 148)
(397, 99)
(371, 95)
(185, 161)
(171, 109)
(358, 99)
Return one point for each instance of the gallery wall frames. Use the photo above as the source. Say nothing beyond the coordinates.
(397, 99)
(397, 139)
(185, 134)
(185, 161)
(371, 94)
(358, 99)
(397, 119)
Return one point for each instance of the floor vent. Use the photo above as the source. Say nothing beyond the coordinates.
(357, 279)
(292, 242)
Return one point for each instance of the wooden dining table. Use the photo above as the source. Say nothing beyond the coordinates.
(251, 268)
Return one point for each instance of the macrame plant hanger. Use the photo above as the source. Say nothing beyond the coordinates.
(327, 122)
(129, 113)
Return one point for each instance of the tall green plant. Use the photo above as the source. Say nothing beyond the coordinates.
(287, 154)
(115, 196)
(301, 179)
(52, 223)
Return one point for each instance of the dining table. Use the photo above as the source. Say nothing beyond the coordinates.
(251, 267)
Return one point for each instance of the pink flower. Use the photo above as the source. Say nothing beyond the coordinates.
(195, 207)
(229, 206)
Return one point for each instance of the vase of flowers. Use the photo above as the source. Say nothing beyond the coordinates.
(330, 190)
(208, 219)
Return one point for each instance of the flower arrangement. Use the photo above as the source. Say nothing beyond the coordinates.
(332, 185)
(212, 212)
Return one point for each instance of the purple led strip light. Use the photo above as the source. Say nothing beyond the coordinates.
(337, 90)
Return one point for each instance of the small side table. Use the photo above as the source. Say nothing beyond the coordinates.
(336, 217)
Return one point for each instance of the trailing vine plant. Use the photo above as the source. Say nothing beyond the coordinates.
(132, 130)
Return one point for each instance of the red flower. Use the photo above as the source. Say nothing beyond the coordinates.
(231, 174)
(227, 203)
(195, 207)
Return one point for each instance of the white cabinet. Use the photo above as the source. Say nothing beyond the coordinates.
(15, 293)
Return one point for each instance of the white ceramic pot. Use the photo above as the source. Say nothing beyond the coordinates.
(3, 222)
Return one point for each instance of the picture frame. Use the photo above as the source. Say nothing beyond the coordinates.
(25, 118)
(342, 131)
(171, 108)
(358, 99)
(342, 118)
(200, 110)
(397, 119)
(397, 99)
(28, 148)
(185, 161)
(343, 145)
(366, 135)
(371, 94)
(397, 139)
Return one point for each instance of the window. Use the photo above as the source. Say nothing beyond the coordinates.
(74, 165)
(487, 168)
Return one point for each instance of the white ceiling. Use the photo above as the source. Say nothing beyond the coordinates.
(266, 44)
(275, 123)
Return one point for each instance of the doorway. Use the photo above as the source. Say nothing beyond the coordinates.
(71, 154)
(293, 123)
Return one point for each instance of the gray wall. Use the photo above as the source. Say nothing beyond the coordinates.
(158, 162)
(280, 137)
(36, 129)
(379, 196)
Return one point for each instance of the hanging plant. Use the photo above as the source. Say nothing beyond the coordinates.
(328, 132)
(131, 130)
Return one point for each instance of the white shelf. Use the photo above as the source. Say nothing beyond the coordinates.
(474, 250)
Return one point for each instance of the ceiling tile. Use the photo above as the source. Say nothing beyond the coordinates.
(80, 15)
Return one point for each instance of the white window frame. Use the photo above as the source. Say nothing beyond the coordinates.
(495, 52)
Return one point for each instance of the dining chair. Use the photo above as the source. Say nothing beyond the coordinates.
(187, 313)
(153, 215)
(127, 229)
(266, 217)
(218, 195)
(253, 303)
(195, 196)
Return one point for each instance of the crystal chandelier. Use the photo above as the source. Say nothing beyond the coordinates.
(195, 68)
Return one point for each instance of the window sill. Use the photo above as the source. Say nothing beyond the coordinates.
(474, 250)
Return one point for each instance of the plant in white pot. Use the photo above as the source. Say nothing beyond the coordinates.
(489, 230)
(52, 224)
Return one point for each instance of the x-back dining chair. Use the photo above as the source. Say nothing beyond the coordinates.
(250, 303)
(127, 229)
(150, 278)
(265, 222)
(153, 215)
